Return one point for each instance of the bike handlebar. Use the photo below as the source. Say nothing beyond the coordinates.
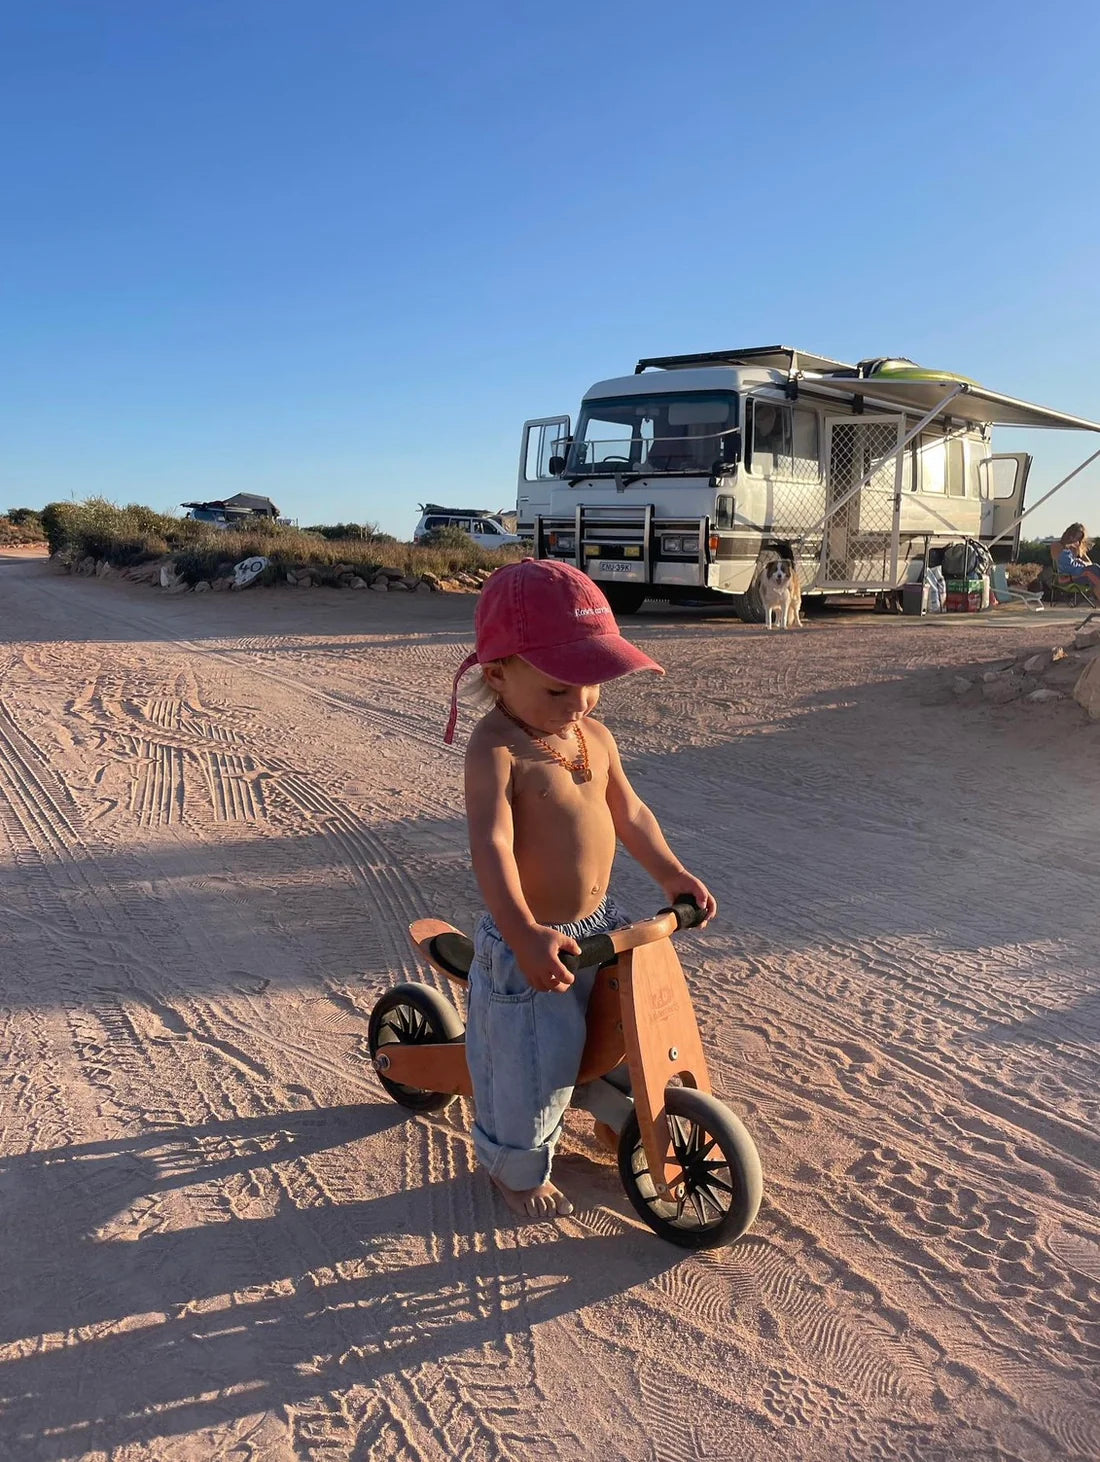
(601, 949)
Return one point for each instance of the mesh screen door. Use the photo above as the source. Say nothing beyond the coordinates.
(860, 534)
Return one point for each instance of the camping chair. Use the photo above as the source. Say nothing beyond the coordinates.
(1073, 589)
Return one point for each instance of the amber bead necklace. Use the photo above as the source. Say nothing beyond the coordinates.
(579, 766)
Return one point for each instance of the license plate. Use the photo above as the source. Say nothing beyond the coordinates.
(615, 568)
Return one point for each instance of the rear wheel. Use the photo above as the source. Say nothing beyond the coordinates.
(722, 1184)
(413, 1015)
(624, 598)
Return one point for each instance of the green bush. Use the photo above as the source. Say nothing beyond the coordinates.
(368, 532)
(1032, 550)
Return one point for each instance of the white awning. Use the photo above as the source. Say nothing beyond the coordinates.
(973, 403)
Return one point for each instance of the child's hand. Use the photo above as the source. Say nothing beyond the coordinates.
(684, 883)
(537, 955)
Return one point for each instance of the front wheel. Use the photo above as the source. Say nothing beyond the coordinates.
(624, 598)
(749, 607)
(413, 1015)
(722, 1184)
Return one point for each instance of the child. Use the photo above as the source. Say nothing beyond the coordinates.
(546, 799)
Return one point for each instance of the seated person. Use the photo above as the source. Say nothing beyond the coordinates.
(1071, 558)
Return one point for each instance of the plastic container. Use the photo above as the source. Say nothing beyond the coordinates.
(914, 598)
(963, 603)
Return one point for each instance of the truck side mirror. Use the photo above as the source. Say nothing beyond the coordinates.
(556, 466)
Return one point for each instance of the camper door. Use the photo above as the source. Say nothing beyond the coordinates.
(1001, 483)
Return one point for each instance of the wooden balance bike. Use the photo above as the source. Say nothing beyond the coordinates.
(688, 1165)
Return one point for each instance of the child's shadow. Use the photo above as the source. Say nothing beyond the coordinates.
(235, 1317)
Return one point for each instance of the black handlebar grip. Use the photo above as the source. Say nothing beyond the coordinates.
(596, 949)
(688, 912)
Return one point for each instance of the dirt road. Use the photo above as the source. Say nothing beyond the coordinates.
(216, 817)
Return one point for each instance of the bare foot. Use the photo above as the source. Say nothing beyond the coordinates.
(606, 1136)
(539, 1203)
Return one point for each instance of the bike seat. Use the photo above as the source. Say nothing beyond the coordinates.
(453, 952)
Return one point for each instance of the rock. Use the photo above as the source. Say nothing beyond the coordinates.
(960, 685)
(423, 588)
(998, 691)
(1034, 664)
(181, 586)
(1084, 639)
(356, 582)
(411, 582)
(380, 586)
(391, 573)
(86, 565)
(102, 569)
(992, 676)
(343, 569)
(291, 578)
(1043, 694)
(305, 581)
(1087, 690)
(168, 576)
(221, 583)
(432, 580)
(202, 587)
(1058, 654)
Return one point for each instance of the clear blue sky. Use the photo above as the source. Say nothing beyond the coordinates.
(337, 252)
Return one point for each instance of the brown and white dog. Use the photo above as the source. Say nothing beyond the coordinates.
(781, 594)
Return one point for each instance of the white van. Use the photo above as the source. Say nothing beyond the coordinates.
(485, 531)
(681, 478)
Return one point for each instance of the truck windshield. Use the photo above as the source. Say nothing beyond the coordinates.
(670, 432)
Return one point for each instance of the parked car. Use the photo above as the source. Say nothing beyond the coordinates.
(485, 531)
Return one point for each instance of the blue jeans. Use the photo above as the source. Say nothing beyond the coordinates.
(524, 1050)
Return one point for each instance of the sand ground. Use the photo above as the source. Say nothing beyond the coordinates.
(217, 816)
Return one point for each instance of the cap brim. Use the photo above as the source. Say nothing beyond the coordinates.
(591, 661)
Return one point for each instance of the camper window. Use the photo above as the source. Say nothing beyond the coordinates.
(807, 453)
(956, 468)
(933, 464)
(771, 435)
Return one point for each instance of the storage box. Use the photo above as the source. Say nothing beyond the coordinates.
(963, 603)
(964, 586)
(914, 598)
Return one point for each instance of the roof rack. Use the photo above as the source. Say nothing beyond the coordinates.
(781, 357)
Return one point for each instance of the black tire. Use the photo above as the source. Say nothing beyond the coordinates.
(722, 1192)
(413, 1015)
(813, 604)
(749, 607)
(624, 598)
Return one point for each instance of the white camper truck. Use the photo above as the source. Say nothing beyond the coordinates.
(680, 478)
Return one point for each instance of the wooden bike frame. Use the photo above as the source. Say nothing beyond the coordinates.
(640, 1011)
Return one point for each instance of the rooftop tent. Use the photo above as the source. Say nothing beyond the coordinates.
(769, 357)
(246, 502)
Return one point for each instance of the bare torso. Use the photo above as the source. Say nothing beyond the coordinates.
(564, 841)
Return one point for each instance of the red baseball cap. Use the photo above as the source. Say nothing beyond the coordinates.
(553, 616)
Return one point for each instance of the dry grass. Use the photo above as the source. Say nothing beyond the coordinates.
(136, 534)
